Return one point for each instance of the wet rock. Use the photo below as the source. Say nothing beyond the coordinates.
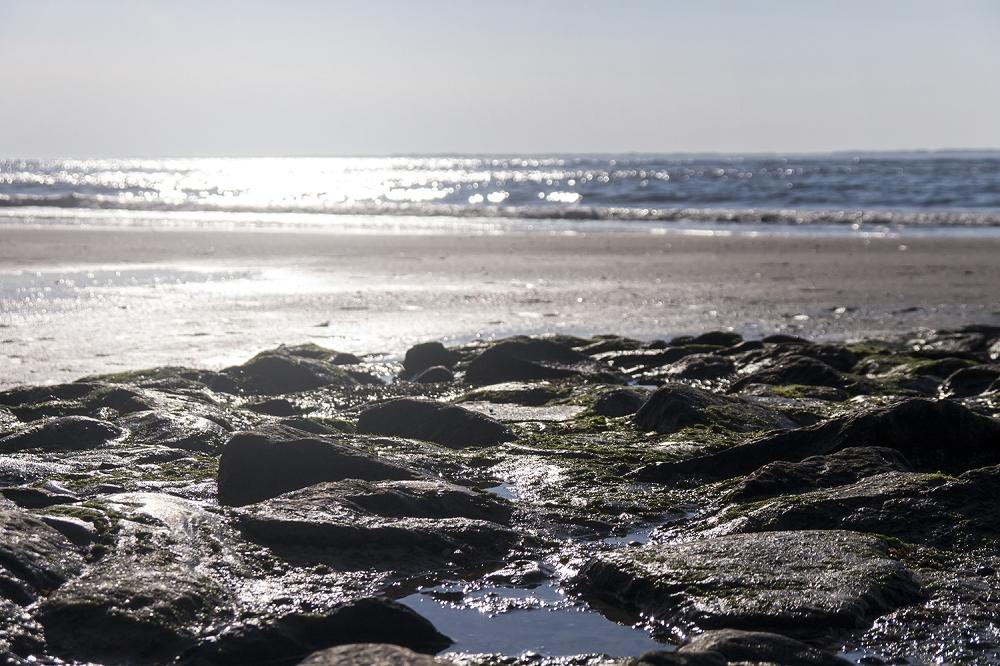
(434, 374)
(34, 558)
(517, 393)
(258, 465)
(618, 402)
(66, 433)
(408, 522)
(800, 583)
(124, 613)
(941, 368)
(283, 640)
(718, 338)
(273, 407)
(758, 646)
(609, 343)
(675, 406)
(80, 532)
(962, 342)
(36, 498)
(178, 431)
(371, 654)
(784, 339)
(523, 359)
(640, 360)
(837, 469)
(444, 424)
(19, 470)
(700, 366)
(970, 381)
(664, 658)
(795, 369)
(918, 508)
(427, 355)
(279, 371)
(931, 435)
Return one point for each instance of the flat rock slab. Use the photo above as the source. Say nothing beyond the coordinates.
(448, 425)
(802, 583)
(521, 413)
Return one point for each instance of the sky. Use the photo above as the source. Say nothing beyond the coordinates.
(374, 77)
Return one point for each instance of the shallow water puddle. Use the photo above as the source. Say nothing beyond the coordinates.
(512, 621)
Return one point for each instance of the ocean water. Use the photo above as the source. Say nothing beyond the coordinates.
(943, 192)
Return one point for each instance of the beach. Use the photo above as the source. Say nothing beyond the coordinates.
(79, 301)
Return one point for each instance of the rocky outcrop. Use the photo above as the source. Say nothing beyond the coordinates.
(67, 433)
(675, 406)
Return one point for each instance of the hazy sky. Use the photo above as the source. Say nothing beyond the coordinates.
(300, 77)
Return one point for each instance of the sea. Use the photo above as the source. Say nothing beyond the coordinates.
(951, 193)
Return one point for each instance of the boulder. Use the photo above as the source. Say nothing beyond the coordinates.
(448, 425)
(34, 558)
(372, 654)
(700, 366)
(427, 355)
(676, 406)
(391, 523)
(257, 465)
(794, 369)
(434, 374)
(525, 359)
(175, 430)
(618, 402)
(65, 433)
(837, 469)
(932, 435)
(285, 639)
(972, 381)
(801, 583)
(758, 646)
(279, 371)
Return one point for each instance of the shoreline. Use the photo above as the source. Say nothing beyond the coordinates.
(209, 298)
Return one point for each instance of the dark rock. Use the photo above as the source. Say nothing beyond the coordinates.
(618, 402)
(387, 524)
(273, 407)
(434, 374)
(838, 358)
(837, 469)
(611, 343)
(970, 381)
(34, 558)
(700, 366)
(283, 640)
(759, 646)
(918, 508)
(941, 368)
(444, 424)
(664, 658)
(128, 614)
(67, 433)
(523, 359)
(800, 583)
(640, 360)
(80, 532)
(188, 432)
(315, 427)
(257, 465)
(742, 348)
(931, 435)
(427, 355)
(515, 393)
(36, 498)
(279, 371)
(371, 654)
(794, 369)
(719, 338)
(953, 342)
(784, 339)
(675, 406)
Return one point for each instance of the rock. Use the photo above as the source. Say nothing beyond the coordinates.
(279, 371)
(837, 357)
(448, 425)
(177, 431)
(372, 654)
(700, 366)
(36, 498)
(516, 393)
(397, 523)
(20, 470)
(961, 342)
(34, 558)
(675, 406)
(784, 339)
(618, 402)
(273, 407)
(66, 433)
(931, 435)
(80, 532)
(283, 640)
(941, 368)
(434, 374)
(121, 613)
(609, 343)
(642, 359)
(717, 338)
(257, 465)
(970, 381)
(524, 359)
(794, 369)
(918, 508)
(800, 583)
(837, 469)
(427, 355)
(664, 658)
(759, 646)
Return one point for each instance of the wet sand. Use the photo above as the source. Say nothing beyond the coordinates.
(82, 301)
